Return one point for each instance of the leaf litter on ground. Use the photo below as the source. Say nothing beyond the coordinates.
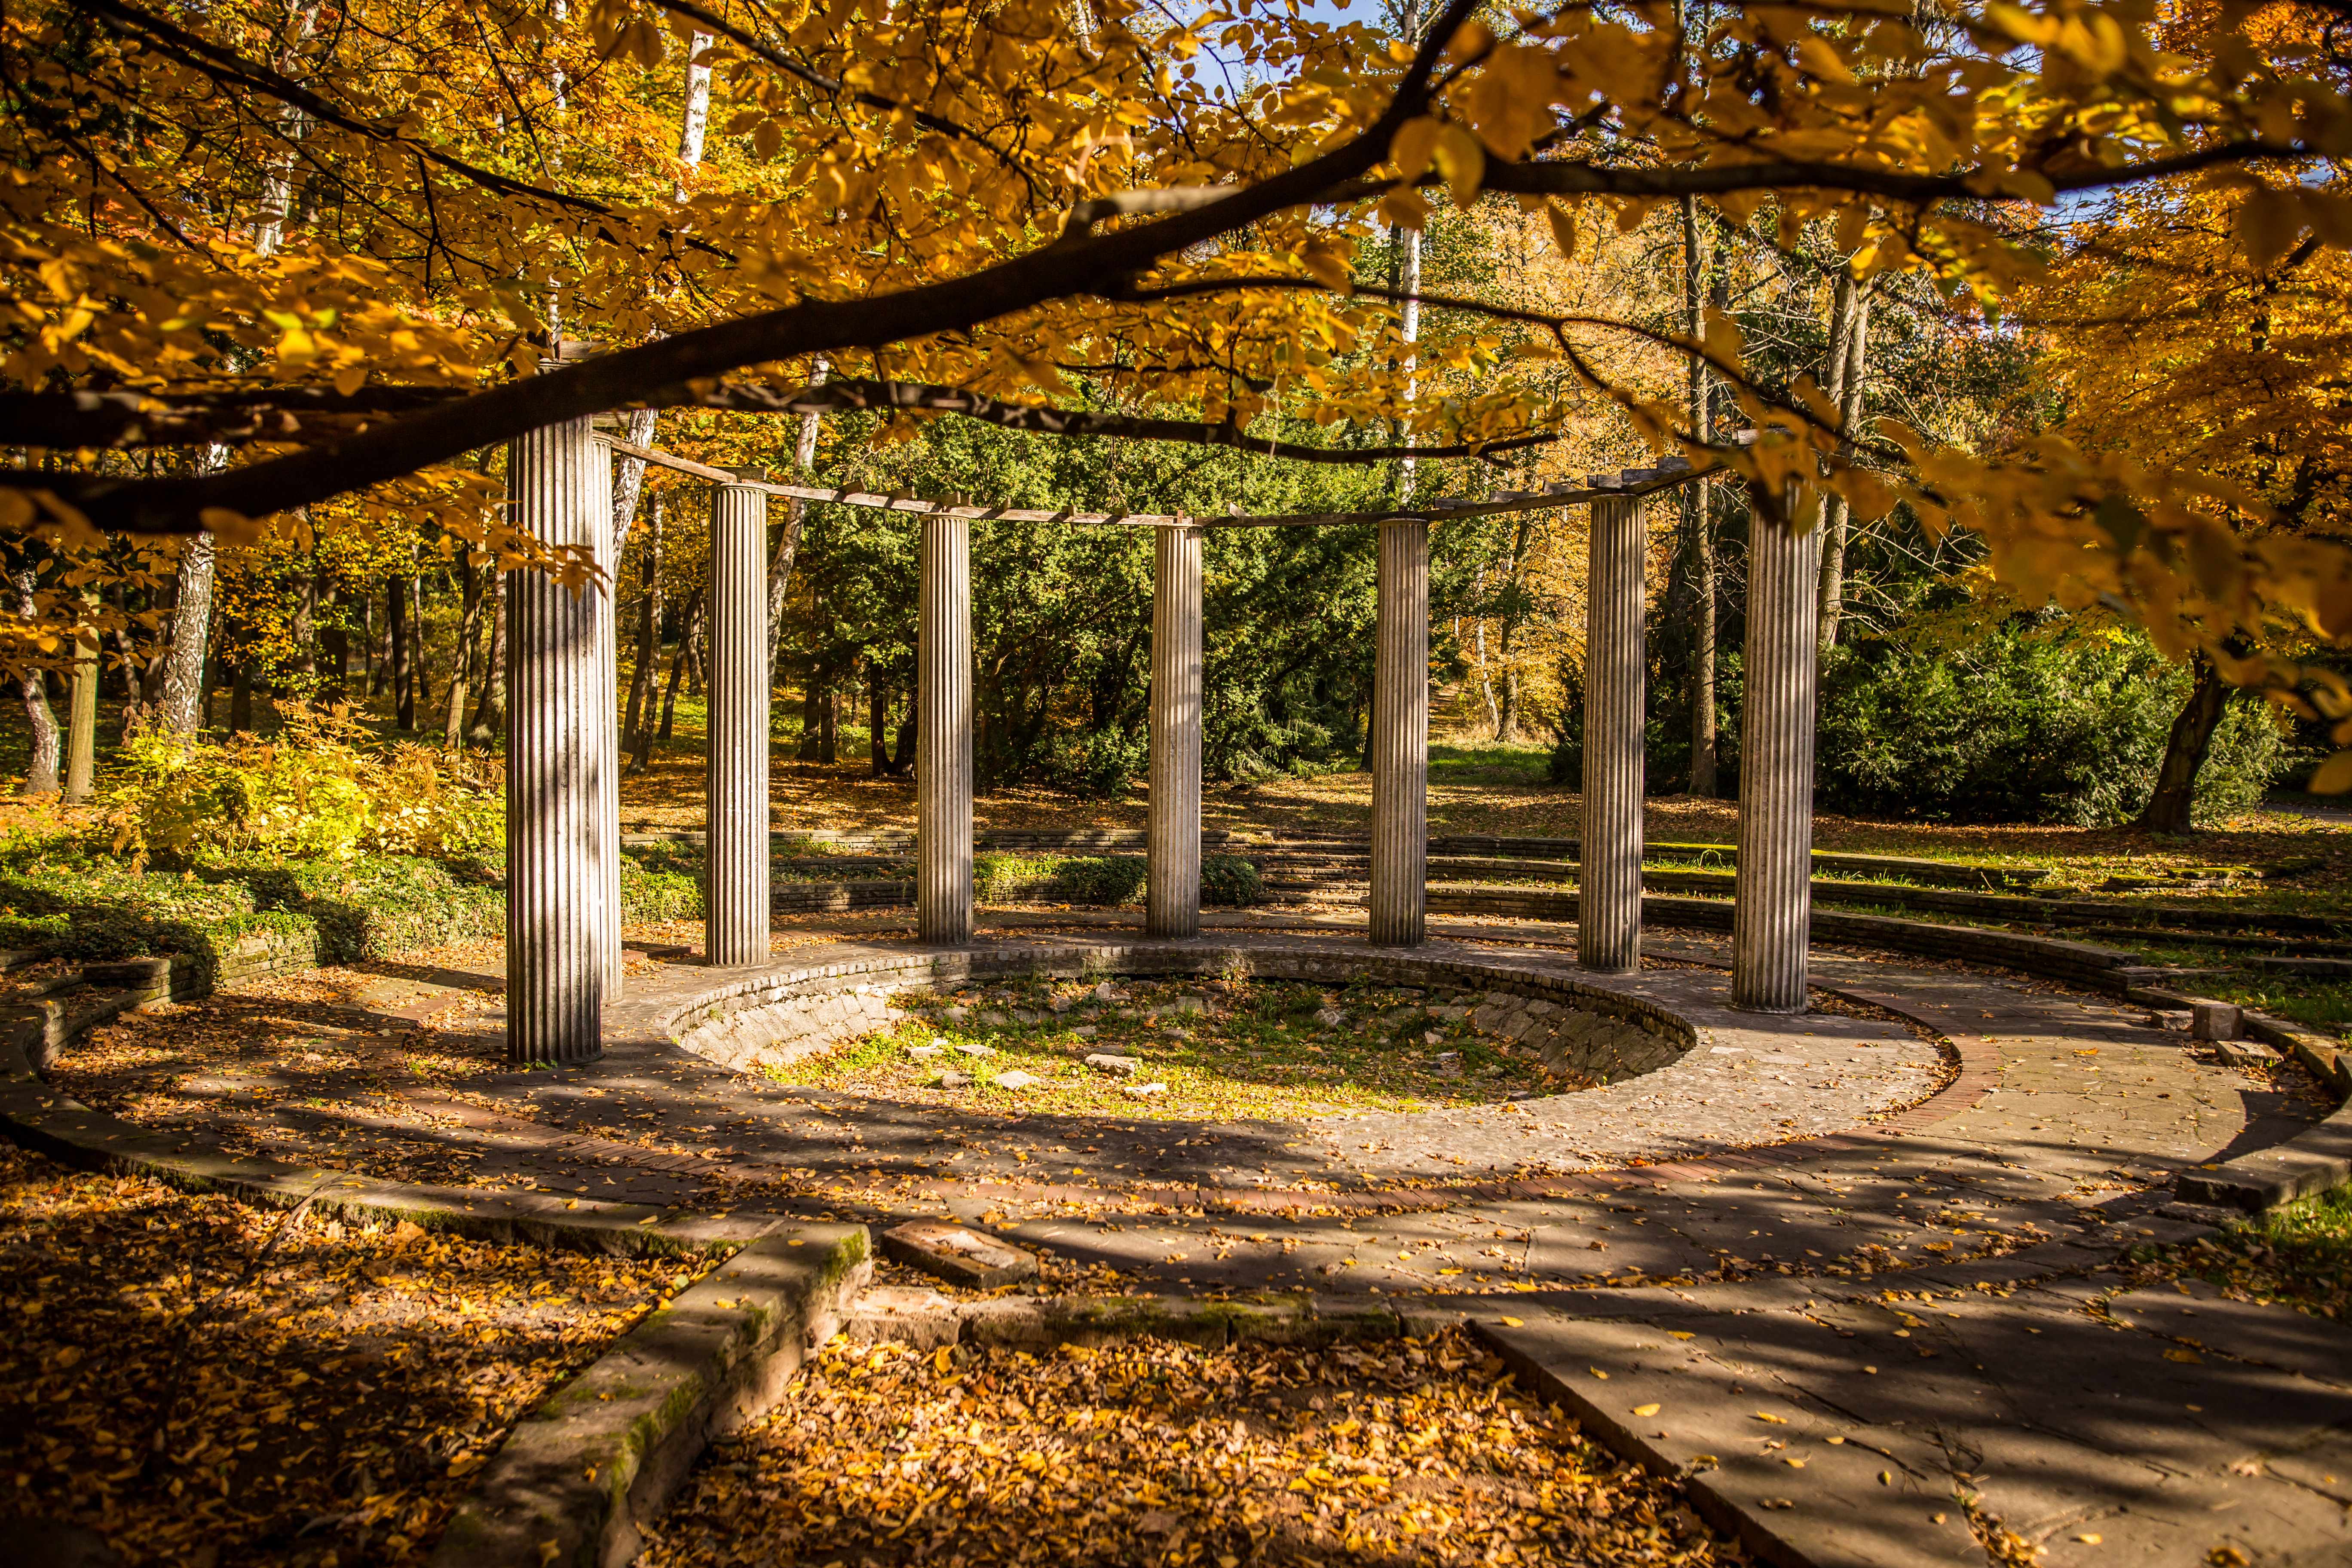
(1403, 1451)
(196, 1381)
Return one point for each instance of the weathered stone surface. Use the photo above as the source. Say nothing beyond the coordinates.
(1119, 1067)
(958, 1255)
(607, 1449)
(1017, 1080)
(2218, 1020)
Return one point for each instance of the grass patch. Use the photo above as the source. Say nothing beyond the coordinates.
(1224, 1048)
(2299, 1256)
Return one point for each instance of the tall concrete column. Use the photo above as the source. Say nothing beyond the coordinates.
(562, 871)
(735, 865)
(1773, 921)
(1401, 738)
(1173, 898)
(1609, 854)
(943, 735)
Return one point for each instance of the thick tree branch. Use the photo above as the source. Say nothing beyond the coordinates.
(1056, 271)
(1563, 178)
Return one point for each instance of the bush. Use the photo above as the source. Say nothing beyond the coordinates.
(1080, 879)
(1230, 879)
(1095, 763)
(316, 790)
(2019, 727)
(2250, 753)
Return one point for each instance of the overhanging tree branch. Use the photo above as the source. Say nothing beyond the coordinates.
(1057, 271)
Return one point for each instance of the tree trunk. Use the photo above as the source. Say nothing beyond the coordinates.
(303, 633)
(41, 766)
(693, 623)
(461, 667)
(877, 720)
(335, 642)
(788, 541)
(1849, 345)
(903, 762)
(641, 678)
(395, 623)
(2171, 809)
(192, 614)
(491, 712)
(419, 672)
(1698, 520)
(240, 698)
(81, 749)
(829, 746)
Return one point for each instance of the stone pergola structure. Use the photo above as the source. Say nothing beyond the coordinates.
(564, 954)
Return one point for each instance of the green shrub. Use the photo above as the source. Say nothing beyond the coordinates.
(315, 791)
(1079, 880)
(1230, 879)
(95, 909)
(2018, 727)
(1093, 764)
(652, 893)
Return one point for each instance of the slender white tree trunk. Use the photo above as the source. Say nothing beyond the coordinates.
(192, 615)
(788, 541)
(41, 767)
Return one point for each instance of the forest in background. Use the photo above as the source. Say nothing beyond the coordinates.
(1942, 695)
(1963, 678)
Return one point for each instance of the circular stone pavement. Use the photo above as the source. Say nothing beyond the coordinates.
(1768, 1206)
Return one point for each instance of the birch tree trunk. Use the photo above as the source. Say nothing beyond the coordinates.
(641, 680)
(81, 749)
(1698, 523)
(629, 483)
(788, 539)
(41, 767)
(192, 615)
(1849, 349)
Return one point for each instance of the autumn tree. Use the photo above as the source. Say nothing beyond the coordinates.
(961, 208)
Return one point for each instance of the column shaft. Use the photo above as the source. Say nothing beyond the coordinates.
(1401, 738)
(1609, 855)
(562, 857)
(1172, 895)
(1772, 922)
(943, 778)
(735, 876)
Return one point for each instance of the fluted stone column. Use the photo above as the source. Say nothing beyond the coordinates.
(1609, 854)
(735, 876)
(943, 735)
(1401, 738)
(1773, 920)
(563, 851)
(1172, 897)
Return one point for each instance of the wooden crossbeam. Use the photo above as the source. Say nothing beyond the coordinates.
(1632, 482)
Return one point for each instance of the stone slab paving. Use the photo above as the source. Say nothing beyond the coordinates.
(1818, 1219)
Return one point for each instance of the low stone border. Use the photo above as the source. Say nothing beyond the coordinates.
(800, 1007)
(927, 1319)
(608, 1449)
(2317, 1159)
